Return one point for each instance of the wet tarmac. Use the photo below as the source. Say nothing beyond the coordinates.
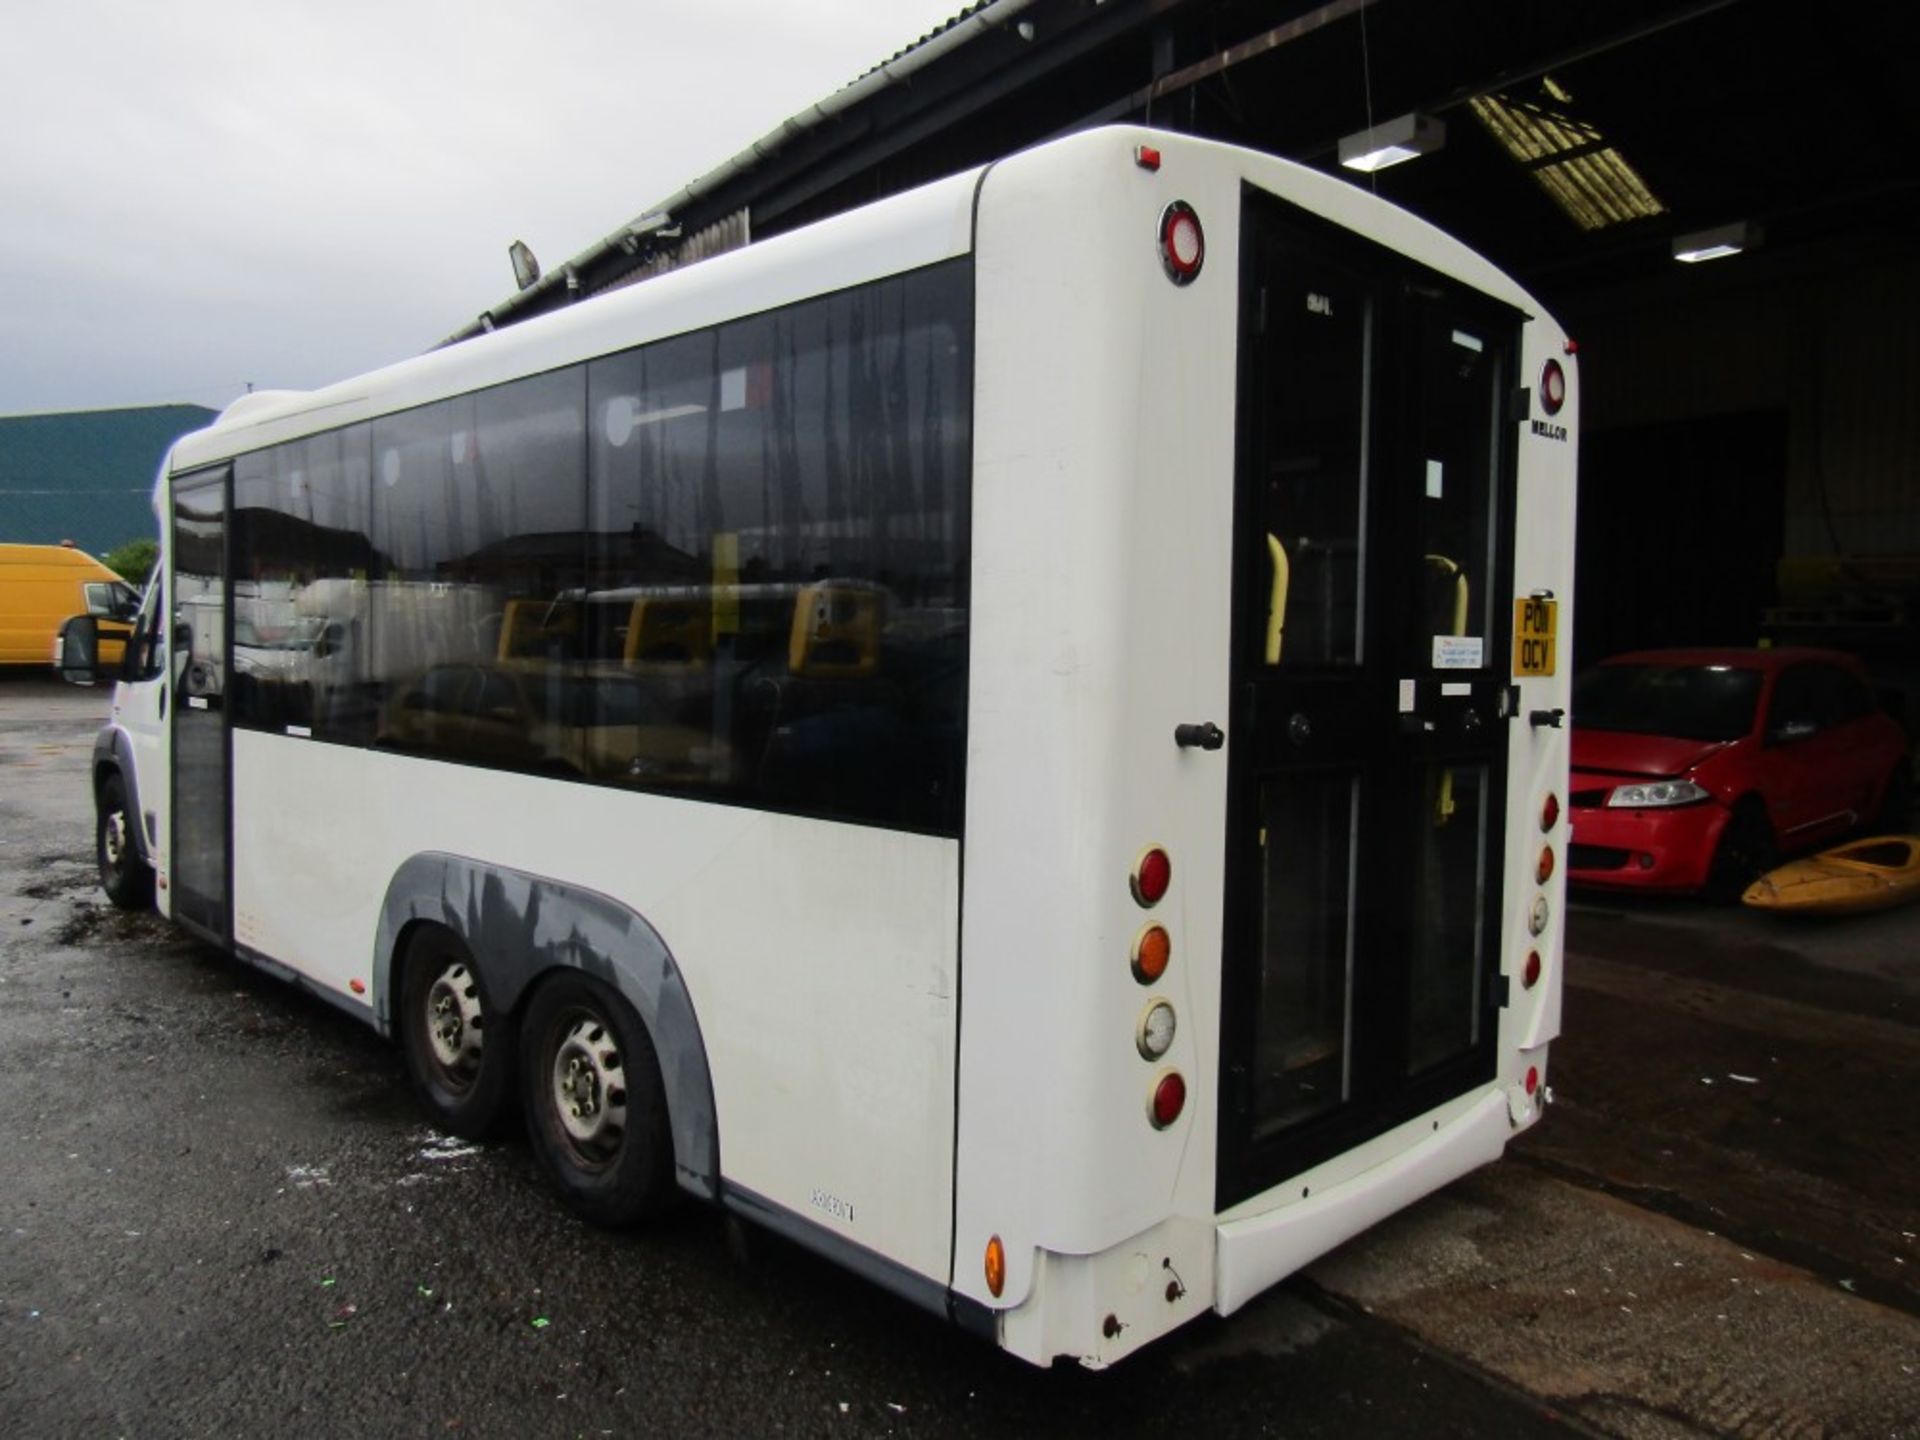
(221, 1214)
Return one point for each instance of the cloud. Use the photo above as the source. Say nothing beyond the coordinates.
(202, 194)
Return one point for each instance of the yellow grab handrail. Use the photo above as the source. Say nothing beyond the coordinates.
(1277, 602)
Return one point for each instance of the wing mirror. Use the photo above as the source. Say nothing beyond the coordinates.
(76, 655)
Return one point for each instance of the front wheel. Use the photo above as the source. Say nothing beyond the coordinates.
(596, 1110)
(460, 1061)
(124, 875)
(1746, 851)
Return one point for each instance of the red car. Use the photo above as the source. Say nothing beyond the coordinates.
(1697, 769)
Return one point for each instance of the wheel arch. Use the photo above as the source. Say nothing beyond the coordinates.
(519, 927)
(113, 756)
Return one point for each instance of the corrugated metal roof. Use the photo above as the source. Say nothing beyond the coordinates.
(932, 34)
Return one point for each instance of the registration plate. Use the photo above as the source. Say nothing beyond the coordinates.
(1536, 628)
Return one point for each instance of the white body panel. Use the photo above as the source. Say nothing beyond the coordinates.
(826, 1004)
(1104, 487)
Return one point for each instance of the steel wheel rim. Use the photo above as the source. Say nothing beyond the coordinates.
(114, 838)
(454, 1022)
(588, 1088)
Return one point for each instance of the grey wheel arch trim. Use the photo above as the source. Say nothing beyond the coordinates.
(113, 750)
(519, 927)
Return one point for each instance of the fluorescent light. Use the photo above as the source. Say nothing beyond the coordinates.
(1393, 141)
(1715, 244)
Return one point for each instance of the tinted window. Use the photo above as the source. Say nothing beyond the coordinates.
(1815, 697)
(1695, 702)
(732, 564)
(303, 561)
(478, 514)
(145, 655)
(777, 583)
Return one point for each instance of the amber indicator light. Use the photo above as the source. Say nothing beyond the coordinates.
(996, 1267)
(1152, 948)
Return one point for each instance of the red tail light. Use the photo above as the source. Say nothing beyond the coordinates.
(1553, 387)
(1530, 976)
(1169, 1099)
(1152, 874)
(1543, 872)
(1533, 1078)
(1183, 247)
(1550, 813)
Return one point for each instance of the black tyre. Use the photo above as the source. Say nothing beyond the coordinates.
(1746, 851)
(596, 1110)
(124, 875)
(1896, 801)
(460, 1061)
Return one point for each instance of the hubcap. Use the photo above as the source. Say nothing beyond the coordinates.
(589, 1090)
(454, 1020)
(116, 836)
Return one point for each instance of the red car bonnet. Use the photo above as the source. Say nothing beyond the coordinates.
(1625, 753)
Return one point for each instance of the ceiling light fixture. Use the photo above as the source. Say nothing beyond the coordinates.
(1717, 243)
(1392, 141)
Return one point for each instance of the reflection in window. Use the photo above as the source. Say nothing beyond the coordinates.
(479, 512)
(777, 580)
(302, 564)
(731, 564)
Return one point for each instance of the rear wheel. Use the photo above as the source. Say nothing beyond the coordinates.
(460, 1061)
(596, 1110)
(1746, 851)
(124, 875)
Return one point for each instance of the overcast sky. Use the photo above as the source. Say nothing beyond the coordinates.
(195, 194)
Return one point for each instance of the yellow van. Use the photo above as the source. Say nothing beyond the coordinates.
(43, 586)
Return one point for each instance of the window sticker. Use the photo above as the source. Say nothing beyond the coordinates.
(1457, 652)
(1436, 479)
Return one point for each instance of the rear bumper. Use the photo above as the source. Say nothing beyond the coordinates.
(1254, 1253)
(1656, 849)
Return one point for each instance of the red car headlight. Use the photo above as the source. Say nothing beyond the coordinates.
(1656, 793)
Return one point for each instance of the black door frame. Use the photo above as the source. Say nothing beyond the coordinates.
(1359, 720)
(215, 909)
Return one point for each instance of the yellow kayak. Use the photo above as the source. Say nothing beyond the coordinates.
(1874, 874)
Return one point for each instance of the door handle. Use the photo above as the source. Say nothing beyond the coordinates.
(1208, 736)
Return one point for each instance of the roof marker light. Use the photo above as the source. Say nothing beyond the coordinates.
(1146, 157)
